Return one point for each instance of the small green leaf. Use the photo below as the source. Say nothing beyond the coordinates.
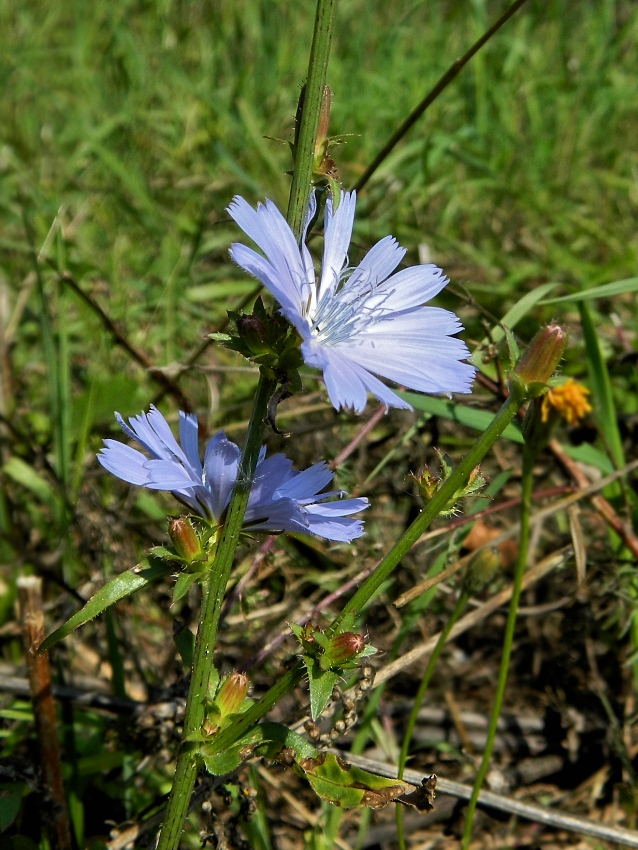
(321, 685)
(602, 390)
(184, 583)
(268, 737)
(185, 642)
(218, 764)
(11, 794)
(118, 588)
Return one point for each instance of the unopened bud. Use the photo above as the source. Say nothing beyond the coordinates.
(542, 355)
(231, 694)
(481, 570)
(184, 538)
(343, 648)
(253, 332)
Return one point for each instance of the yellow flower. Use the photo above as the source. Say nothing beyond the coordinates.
(569, 401)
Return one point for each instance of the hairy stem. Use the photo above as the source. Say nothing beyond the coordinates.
(213, 596)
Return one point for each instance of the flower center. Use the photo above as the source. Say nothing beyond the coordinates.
(343, 310)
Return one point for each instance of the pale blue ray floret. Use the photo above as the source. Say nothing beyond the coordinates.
(281, 498)
(359, 322)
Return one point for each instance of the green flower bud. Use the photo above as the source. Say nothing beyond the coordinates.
(184, 538)
(542, 356)
(341, 649)
(231, 694)
(254, 333)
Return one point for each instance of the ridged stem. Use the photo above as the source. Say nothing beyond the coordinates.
(213, 596)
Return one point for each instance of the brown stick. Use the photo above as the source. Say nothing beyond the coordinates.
(32, 616)
(599, 502)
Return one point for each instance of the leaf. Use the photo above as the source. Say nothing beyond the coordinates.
(272, 739)
(11, 794)
(118, 588)
(321, 685)
(468, 416)
(607, 290)
(349, 787)
(184, 583)
(586, 453)
(185, 642)
(219, 764)
(601, 388)
(26, 475)
(421, 798)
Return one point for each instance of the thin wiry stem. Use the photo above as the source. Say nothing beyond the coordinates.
(432, 95)
(521, 563)
(416, 705)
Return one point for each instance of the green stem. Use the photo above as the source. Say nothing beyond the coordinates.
(213, 596)
(416, 706)
(309, 122)
(186, 770)
(455, 482)
(521, 563)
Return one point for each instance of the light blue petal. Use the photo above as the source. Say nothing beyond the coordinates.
(188, 437)
(267, 227)
(342, 507)
(339, 529)
(168, 475)
(141, 431)
(433, 366)
(124, 462)
(282, 286)
(221, 463)
(381, 260)
(411, 287)
(338, 231)
(342, 381)
(271, 474)
(308, 483)
(165, 435)
(280, 515)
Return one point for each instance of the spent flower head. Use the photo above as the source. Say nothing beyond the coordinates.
(356, 322)
(281, 498)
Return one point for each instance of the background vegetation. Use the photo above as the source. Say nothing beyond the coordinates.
(125, 130)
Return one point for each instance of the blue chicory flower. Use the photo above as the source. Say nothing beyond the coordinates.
(356, 323)
(281, 498)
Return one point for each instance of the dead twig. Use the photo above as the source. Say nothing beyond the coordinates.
(529, 811)
(32, 615)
